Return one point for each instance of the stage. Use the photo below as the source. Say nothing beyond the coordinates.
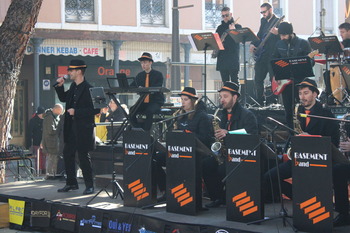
(148, 220)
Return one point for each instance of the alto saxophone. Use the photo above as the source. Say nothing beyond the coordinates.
(296, 126)
(217, 147)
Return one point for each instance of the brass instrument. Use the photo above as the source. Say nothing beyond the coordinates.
(177, 112)
(217, 146)
(296, 126)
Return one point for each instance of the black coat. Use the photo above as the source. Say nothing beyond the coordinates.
(83, 121)
(155, 80)
(200, 124)
(34, 132)
(270, 43)
(228, 59)
(241, 118)
(319, 126)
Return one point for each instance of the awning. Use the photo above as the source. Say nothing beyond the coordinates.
(69, 47)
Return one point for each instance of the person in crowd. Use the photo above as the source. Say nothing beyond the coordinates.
(78, 126)
(268, 35)
(228, 59)
(308, 93)
(152, 103)
(50, 139)
(290, 45)
(234, 116)
(33, 139)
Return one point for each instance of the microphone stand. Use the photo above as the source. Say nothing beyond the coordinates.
(283, 212)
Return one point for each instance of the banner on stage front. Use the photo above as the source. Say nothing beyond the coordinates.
(16, 211)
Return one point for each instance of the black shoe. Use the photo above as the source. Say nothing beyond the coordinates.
(214, 204)
(341, 220)
(68, 188)
(88, 191)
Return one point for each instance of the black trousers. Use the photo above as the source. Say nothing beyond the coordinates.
(262, 68)
(341, 176)
(229, 75)
(212, 174)
(69, 151)
(148, 109)
(270, 181)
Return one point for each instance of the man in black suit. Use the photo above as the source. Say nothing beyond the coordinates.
(152, 103)
(78, 126)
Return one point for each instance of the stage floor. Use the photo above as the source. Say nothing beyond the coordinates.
(47, 189)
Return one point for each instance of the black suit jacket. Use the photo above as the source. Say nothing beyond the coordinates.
(82, 123)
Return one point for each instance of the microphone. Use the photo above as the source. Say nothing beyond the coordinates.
(64, 77)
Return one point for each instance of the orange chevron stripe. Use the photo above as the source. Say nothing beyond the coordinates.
(177, 188)
(321, 217)
(251, 210)
(307, 203)
(136, 182)
(312, 207)
(239, 196)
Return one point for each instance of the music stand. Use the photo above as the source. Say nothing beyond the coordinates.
(243, 35)
(206, 41)
(101, 102)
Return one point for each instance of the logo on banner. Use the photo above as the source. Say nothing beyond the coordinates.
(181, 194)
(221, 231)
(310, 157)
(235, 155)
(40, 213)
(138, 190)
(176, 152)
(281, 63)
(244, 203)
(314, 210)
(144, 230)
(130, 149)
(91, 222)
(116, 226)
(65, 216)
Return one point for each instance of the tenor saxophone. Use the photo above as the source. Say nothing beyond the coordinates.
(296, 126)
(217, 147)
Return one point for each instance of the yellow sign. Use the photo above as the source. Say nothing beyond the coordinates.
(16, 211)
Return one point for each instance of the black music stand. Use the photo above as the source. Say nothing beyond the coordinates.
(206, 41)
(244, 35)
(100, 101)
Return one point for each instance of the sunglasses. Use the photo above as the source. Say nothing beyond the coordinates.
(263, 12)
(225, 15)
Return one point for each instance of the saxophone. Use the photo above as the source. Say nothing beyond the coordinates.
(217, 147)
(296, 126)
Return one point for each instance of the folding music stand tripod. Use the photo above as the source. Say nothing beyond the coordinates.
(99, 100)
(326, 45)
(244, 35)
(206, 41)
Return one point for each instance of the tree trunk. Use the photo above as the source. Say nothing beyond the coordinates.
(15, 33)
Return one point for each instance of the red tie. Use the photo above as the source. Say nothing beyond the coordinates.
(229, 115)
(147, 85)
(307, 121)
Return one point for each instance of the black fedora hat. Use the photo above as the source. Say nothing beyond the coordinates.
(190, 92)
(77, 64)
(146, 56)
(232, 87)
(309, 83)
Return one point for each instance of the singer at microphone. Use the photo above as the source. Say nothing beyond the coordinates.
(64, 78)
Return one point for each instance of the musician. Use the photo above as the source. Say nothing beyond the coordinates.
(234, 117)
(344, 30)
(262, 65)
(114, 114)
(78, 126)
(290, 45)
(198, 123)
(308, 93)
(152, 103)
(228, 59)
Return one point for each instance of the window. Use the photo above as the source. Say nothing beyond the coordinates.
(213, 12)
(152, 12)
(279, 7)
(327, 19)
(80, 11)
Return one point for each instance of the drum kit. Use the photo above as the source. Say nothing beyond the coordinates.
(339, 65)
